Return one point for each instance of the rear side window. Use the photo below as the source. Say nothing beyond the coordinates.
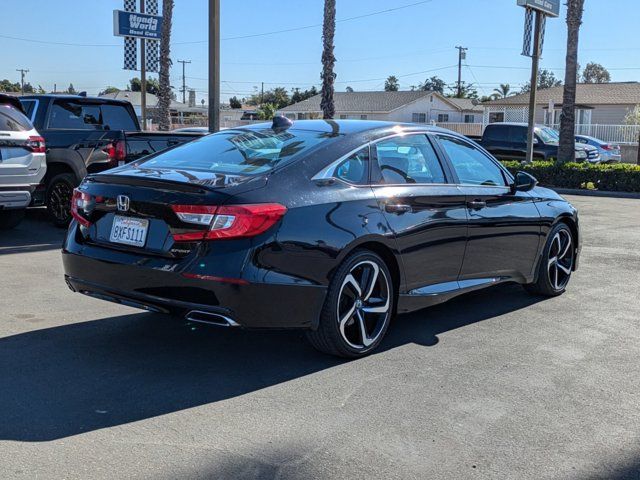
(243, 152)
(354, 169)
(408, 159)
(495, 133)
(117, 117)
(29, 108)
(12, 120)
(471, 165)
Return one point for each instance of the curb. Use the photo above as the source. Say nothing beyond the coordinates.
(596, 193)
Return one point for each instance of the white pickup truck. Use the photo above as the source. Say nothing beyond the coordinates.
(22, 161)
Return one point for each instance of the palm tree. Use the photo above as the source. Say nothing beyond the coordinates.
(504, 91)
(328, 59)
(164, 90)
(566, 151)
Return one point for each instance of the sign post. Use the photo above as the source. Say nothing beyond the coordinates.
(540, 9)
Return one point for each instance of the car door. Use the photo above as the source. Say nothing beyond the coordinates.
(426, 213)
(504, 225)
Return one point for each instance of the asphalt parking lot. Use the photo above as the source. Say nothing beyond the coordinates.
(495, 384)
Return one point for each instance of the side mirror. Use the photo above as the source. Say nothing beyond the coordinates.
(523, 182)
(535, 141)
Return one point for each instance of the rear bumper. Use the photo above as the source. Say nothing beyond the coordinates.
(250, 305)
(11, 199)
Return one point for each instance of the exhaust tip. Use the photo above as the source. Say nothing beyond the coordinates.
(210, 318)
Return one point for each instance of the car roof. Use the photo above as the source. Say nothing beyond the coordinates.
(351, 126)
(79, 98)
(516, 124)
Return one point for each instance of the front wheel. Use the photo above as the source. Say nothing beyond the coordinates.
(358, 307)
(58, 199)
(556, 263)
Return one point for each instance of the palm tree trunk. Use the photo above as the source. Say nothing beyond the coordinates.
(164, 91)
(566, 152)
(328, 59)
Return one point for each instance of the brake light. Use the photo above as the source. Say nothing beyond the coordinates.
(232, 221)
(606, 147)
(36, 144)
(80, 201)
(117, 151)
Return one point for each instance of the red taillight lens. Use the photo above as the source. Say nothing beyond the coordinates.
(36, 144)
(117, 151)
(606, 147)
(79, 202)
(233, 221)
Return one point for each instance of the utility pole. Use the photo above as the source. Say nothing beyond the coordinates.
(535, 61)
(462, 54)
(143, 77)
(184, 82)
(23, 72)
(262, 94)
(214, 65)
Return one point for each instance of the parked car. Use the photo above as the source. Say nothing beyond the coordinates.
(22, 161)
(508, 141)
(87, 135)
(608, 153)
(329, 226)
(200, 130)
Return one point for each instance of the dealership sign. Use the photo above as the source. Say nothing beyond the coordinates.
(548, 7)
(139, 25)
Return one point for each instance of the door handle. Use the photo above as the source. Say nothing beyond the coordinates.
(397, 208)
(476, 204)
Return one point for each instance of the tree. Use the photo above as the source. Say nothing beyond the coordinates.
(566, 151)
(328, 59)
(28, 88)
(135, 85)
(467, 90)
(164, 84)
(633, 116)
(299, 96)
(348, 89)
(546, 79)
(234, 102)
(433, 84)
(391, 84)
(71, 90)
(109, 90)
(504, 91)
(595, 73)
(8, 86)
(267, 111)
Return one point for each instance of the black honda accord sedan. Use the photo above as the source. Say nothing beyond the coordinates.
(329, 226)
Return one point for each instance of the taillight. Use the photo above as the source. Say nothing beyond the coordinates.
(80, 201)
(606, 147)
(232, 221)
(36, 144)
(117, 151)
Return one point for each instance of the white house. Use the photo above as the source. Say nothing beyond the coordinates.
(411, 106)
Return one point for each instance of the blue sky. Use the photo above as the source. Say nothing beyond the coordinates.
(419, 38)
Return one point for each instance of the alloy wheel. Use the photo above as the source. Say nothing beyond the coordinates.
(364, 304)
(60, 201)
(560, 261)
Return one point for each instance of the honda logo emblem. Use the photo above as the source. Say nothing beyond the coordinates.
(123, 203)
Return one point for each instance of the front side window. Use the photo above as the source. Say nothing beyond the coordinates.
(355, 169)
(241, 152)
(408, 159)
(471, 165)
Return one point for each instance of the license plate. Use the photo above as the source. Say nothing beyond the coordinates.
(129, 231)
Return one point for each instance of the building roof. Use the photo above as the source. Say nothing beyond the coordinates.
(622, 93)
(360, 101)
(466, 104)
(135, 98)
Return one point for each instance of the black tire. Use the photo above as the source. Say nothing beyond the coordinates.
(10, 218)
(58, 198)
(553, 277)
(349, 341)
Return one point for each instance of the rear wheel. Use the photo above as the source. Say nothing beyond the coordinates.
(556, 263)
(58, 198)
(10, 218)
(358, 307)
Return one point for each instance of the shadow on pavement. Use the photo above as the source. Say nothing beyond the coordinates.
(76, 378)
(35, 233)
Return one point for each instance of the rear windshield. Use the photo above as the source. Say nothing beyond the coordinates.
(243, 152)
(74, 115)
(12, 120)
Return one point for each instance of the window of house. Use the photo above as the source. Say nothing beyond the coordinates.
(443, 117)
(419, 117)
(469, 119)
(408, 159)
(343, 117)
(363, 117)
(496, 117)
(471, 165)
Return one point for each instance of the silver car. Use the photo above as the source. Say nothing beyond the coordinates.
(23, 161)
(608, 153)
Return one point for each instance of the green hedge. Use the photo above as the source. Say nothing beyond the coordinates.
(618, 177)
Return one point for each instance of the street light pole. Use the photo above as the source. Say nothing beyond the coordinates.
(214, 65)
(143, 77)
(535, 61)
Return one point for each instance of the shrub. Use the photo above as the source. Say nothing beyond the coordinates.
(607, 177)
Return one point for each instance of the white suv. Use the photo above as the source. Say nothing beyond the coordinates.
(22, 161)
